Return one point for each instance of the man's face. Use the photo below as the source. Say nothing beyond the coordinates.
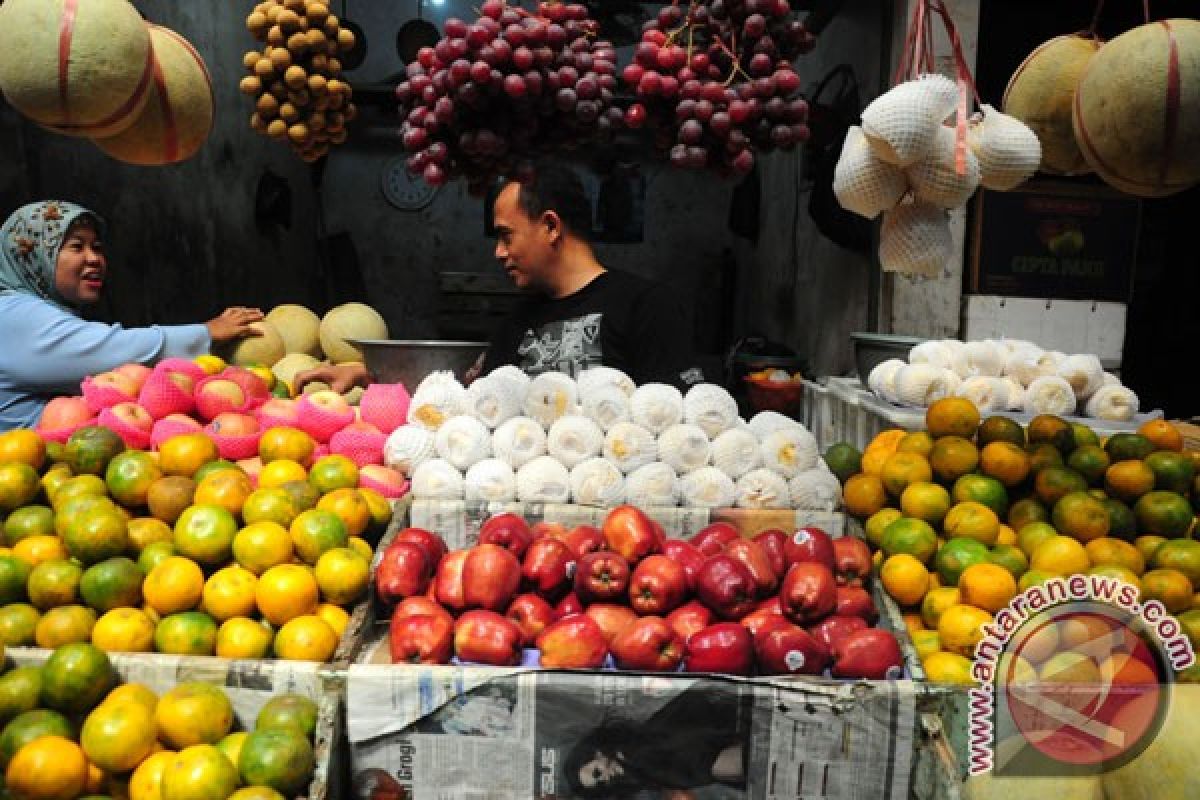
(524, 245)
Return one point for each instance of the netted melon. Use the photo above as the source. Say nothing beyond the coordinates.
(350, 321)
(299, 327)
(289, 366)
(266, 348)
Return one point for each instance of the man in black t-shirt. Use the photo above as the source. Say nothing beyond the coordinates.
(579, 314)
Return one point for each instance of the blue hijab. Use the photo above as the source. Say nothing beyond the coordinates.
(29, 245)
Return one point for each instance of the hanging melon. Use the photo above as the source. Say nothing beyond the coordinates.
(179, 115)
(1137, 109)
(1040, 94)
(79, 67)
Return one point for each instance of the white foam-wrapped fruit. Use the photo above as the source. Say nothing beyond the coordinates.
(901, 123)
(921, 385)
(915, 239)
(765, 422)
(437, 479)
(463, 441)
(1084, 372)
(595, 377)
(710, 407)
(735, 452)
(815, 490)
(630, 446)
(935, 178)
(1113, 402)
(605, 404)
(654, 485)
(1049, 394)
(656, 406)
(518, 441)
(983, 358)
(763, 488)
(408, 447)
(882, 379)
(597, 482)
(862, 181)
(490, 481)
(685, 448)
(707, 487)
(551, 395)
(1007, 150)
(574, 439)
(790, 451)
(492, 400)
(543, 480)
(986, 393)
(437, 398)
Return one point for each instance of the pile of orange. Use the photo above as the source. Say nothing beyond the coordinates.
(967, 513)
(70, 731)
(177, 551)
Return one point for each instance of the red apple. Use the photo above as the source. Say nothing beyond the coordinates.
(658, 585)
(252, 384)
(712, 540)
(433, 545)
(789, 649)
(774, 542)
(872, 653)
(809, 545)
(544, 528)
(134, 416)
(726, 647)
(855, 601)
(508, 531)
(809, 593)
(755, 559)
(771, 604)
(628, 531)
(485, 637)
(833, 629)
(138, 373)
(689, 618)
(217, 395)
(583, 539)
(649, 644)
(185, 382)
(230, 423)
(403, 571)
(567, 606)
(448, 580)
(421, 639)
(490, 577)
(420, 604)
(726, 586)
(762, 618)
(532, 615)
(279, 412)
(611, 618)
(851, 561)
(117, 382)
(548, 567)
(62, 413)
(602, 575)
(686, 555)
(574, 642)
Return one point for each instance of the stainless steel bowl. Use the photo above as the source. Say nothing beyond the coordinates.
(872, 349)
(408, 361)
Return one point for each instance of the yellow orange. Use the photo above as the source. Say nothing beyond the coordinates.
(919, 442)
(34, 550)
(864, 495)
(925, 501)
(242, 637)
(306, 638)
(973, 520)
(336, 617)
(987, 586)
(285, 592)
(262, 545)
(229, 593)
(22, 446)
(176, 584)
(943, 667)
(936, 602)
(1162, 434)
(342, 575)
(350, 506)
(209, 363)
(186, 453)
(1060, 555)
(227, 488)
(279, 472)
(146, 781)
(48, 768)
(903, 469)
(952, 416)
(905, 578)
(124, 630)
(1170, 587)
(960, 628)
(1006, 462)
(291, 444)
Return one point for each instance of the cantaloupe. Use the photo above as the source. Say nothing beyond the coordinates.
(79, 67)
(286, 368)
(299, 327)
(266, 348)
(1137, 109)
(179, 114)
(350, 321)
(1040, 94)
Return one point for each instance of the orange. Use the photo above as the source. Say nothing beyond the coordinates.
(146, 781)
(1080, 515)
(1052, 483)
(204, 533)
(1108, 551)
(242, 637)
(201, 772)
(952, 416)
(262, 545)
(280, 472)
(78, 486)
(1128, 480)
(97, 533)
(133, 693)
(215, 466)
(306, 638)
(1162, 434)
(230, 593)
(337, 617)
(176, 584)
(1044, 455)
(291, 444)
(304, 495)
(864, 495)
(1170, 587)
(333, 472)
(1061, 555)
(1000, 429)
(903, 469)
(960, 628)
(1010, 557)
(987, 586)
(315, 531)
(19, 484)
(380, 508)
(925, 642)
(1148, 545)
(925, 501)
(54, 478)
(147, 530)
(878, 522)
(186, 453)
(1128, 447)
(231, 746)
(28, 521)
(882, 447)
(1163, 513)
(361, 546)
(18, 622)
(118, 736)
(1006, 462)
(113, 583)
(1180, 554)
(154, 554)
(956, 555)
(919, 442)
(1173, 472)
(973, 520)
(953, 457)
(14, 577)
(280, 758)
(286, 592)
(1118, 572)
(49, 768)
(350, 507)
(1069, 667)
(34, 550)
(209, 363)
(936, 602)
(129, 476)
(124, 630)
(89, 450)
(188, 633)
(1025, 511)
(22, 446)
(227, 488)
(1126, 669)
(913, 621)
(1006, 535)
(342, 575)
(951, 668)
(169, 496)
(193, 713)
(76, 677)
(981, 489)
(270, 504)
(54, 583)
(1091, 462)
(291, 710)
(65, 625)
(905, 579)
(1052, 430)
(912, 536)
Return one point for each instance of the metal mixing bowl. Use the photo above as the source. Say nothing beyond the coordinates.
(408, 361)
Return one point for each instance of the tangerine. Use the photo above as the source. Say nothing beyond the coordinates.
(242, 637)
(169, 496)
(1091, 462)
(987, 586)
(200, 772)
(49, 768)
(1170, 587)
(285, 592)
(28, 521)
(315, 531)
(188, 633)
(24, 446)
(262, 545)
(1060, 555)
(342, 575)
(230, 593)
(129, 477)
(973, 520)
(952, 457)
(118, 736)
(176, 584)
(1000, 429)
(277, 473)
(186, 453)
(279, 758)
(864, 495)
(1080, 515)
(19, 485)
(333, 472)
(204, 533)
(124, 630)
(1006, 462)
(193, 713)
(925, 501)
(903, 469)
(952, 416)
(306, 638)
(1162, 434)
(64, 625)
(960, 627)
(350, 507)
(905, 579)
(227, 489)
(271, 504)
(283, 443)
(1163, 513)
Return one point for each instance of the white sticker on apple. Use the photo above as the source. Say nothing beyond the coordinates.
(794, 660)
(801, 537)
(571, 570)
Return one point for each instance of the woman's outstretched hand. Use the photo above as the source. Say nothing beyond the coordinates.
(340, 377)
(234, 323)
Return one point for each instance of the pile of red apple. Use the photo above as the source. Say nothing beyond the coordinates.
(626, 595)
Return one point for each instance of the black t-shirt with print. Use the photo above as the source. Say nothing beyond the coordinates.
(618, 320)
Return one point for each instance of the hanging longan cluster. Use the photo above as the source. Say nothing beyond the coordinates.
(299, 96)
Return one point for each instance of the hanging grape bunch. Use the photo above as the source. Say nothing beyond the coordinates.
(714, 82)
(494, 94)
(299, 97)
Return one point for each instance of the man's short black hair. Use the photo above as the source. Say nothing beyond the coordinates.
(558, 188)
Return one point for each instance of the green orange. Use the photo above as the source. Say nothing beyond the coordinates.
(1163, 513)
(1044, 455)
(204, 533)
(315, 531)
(189, 633)
(878, 522)
(925, 501)
(982, 489)
(18, 621)
(953, 457)
(129, 476)
(113, 583)
(1052, 430)
(1091, 462)
(280, 758)
(1052, 483)
(1025, 511)
(1033, 534)
(14, 575)
(333, 472)
(76, 677)
(1080, 515)
(96, 534)
(1128, 447)
(288, 711)
(200, 772)
(912, 536)
(1006, 462)
(28, 521)
(1179, 554)
(1173, 472)
(269, 505)
(154, 554)
(956, 555)
(902, 469)
(19, 691)
(1010, 557)
(30, 725)
(89, 450)
(843, 460)
(1000, 429)
(54, 583)
(1122, 523)
(19, 485)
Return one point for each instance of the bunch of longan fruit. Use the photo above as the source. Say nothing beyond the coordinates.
(299, 96)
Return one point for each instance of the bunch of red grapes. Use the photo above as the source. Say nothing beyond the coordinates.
(496, 93)
(715, 83)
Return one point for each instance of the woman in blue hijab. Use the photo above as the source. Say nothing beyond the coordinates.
(52, 262)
